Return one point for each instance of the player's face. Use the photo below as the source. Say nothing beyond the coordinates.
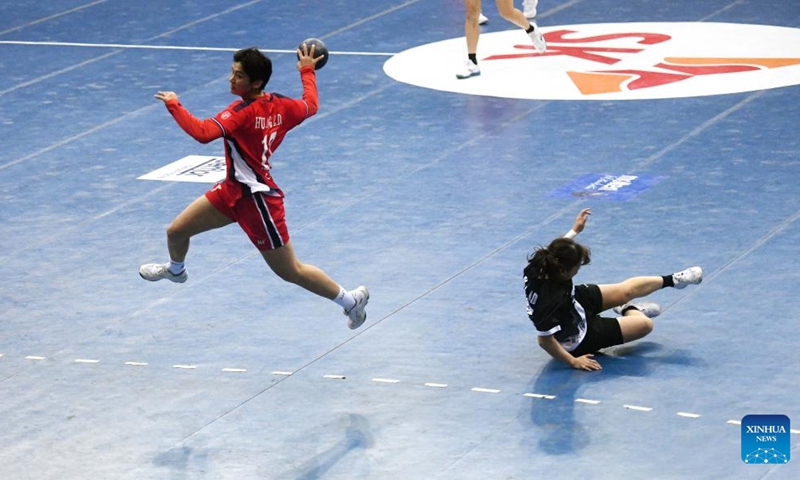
(239, 80)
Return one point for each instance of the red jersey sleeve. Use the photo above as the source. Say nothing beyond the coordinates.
(203, 131)
(310, 96)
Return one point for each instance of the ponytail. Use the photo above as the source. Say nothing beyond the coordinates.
(551, 262)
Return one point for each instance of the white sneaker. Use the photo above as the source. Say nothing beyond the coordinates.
(482, 19)
(537, 38)
(469, 70)
(529, 8)
(159, 271)
(690, 276)
(649, 309)
(358, 314)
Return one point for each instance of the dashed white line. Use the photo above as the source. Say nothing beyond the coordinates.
(485, 390)
(394, 381)
(637, 408)
(539, 395)
(385, 380)
(688, 415)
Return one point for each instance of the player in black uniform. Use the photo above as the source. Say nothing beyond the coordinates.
(567, 317)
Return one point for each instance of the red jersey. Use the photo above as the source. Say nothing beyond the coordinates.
(252, 130)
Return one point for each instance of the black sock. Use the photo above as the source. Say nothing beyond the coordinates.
(668, 281)
(530, 28)
(473, 57)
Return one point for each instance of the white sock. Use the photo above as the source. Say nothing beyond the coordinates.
(345, 299)
(176, 268)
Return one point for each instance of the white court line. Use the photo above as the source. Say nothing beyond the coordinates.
(485, 390)
(279, 372)
(137, 364)
(385, 380)
(235, 370)
(734, 422)
(34, 357)
(129, 46)
(637, 408)
(335, 377)
(52, 17)
(688, 415)
(586, 400)
(86, 360)
(538, 395)
(185, 367)
(435, 385)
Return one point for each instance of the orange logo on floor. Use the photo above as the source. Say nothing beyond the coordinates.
(592, 83)
(614, 61)
(671, 70)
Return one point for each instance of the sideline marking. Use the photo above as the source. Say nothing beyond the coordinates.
(174, 47)
(137, 364)
(586, 400)
(688, 415)
(485, 390)
(436, 385)
(34, 357)
(538, 395)
(52, 17)
(86, 360)
(385, 380)
(640, 409)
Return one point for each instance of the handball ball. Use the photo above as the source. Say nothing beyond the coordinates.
(320, 49)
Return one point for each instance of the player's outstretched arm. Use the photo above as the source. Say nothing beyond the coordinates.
(580, 223)
(203, 131)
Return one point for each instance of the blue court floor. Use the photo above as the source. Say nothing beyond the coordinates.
(431, 198)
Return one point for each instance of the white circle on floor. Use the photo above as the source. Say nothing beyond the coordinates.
(612, 61)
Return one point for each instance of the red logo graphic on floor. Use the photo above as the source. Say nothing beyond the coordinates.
(672, 69)
(622, 61)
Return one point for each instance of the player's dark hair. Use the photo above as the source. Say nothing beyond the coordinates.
(552, 262)
(255, 64)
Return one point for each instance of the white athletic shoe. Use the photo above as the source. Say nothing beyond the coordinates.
(690, 276)
(358, 314)
(468, 70)
(159, 271)
(537, 38)
(482, 19)
(649, 309)
(529, 8)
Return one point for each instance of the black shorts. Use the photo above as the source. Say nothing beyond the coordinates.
(601, 332)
